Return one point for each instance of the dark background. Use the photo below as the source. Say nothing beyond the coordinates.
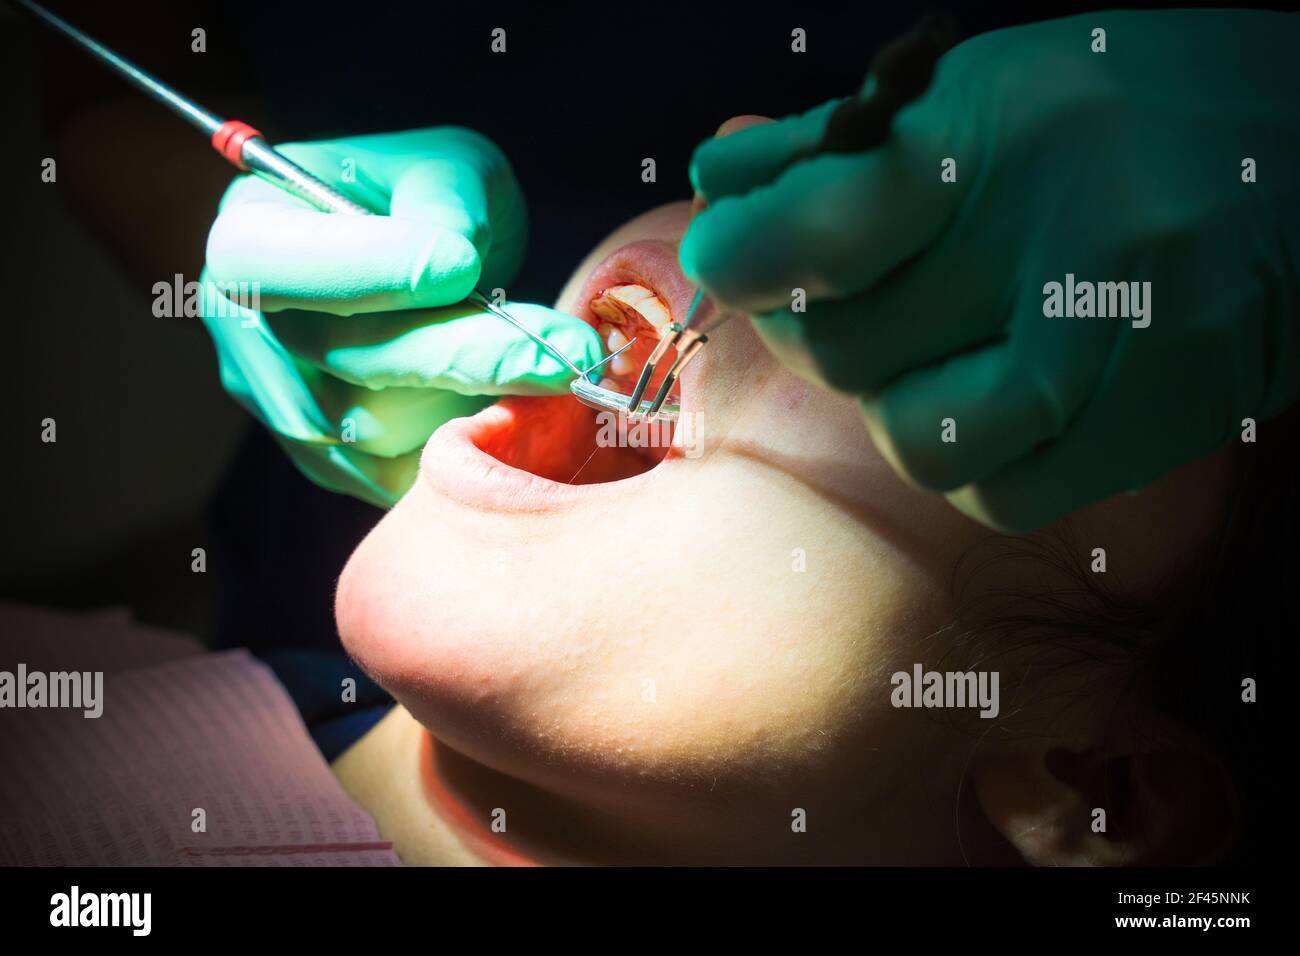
(152, 460)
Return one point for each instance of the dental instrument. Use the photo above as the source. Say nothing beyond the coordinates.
(246, 149)
(902, 71)
(687, 336)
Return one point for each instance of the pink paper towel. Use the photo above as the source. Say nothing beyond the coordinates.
(214, 732)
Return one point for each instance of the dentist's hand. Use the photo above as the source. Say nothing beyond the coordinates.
(360, 349)
(926, 294)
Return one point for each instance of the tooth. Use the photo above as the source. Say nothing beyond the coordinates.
(619, 300)
(615, 340)
(621, 365)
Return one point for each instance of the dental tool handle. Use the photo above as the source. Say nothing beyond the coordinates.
(245, 148)
(146, 82)
(240, 144)
(257, 156)
(902, 71)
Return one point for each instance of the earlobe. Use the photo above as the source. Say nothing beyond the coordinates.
(1058, 807)
(1043, 817)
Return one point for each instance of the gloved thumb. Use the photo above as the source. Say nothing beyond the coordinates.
(458, 348)
(738, 160)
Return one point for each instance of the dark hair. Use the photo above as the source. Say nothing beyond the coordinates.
(1188, 650)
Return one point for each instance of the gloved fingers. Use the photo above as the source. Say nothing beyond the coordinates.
(374, 479)
(456, 179)
(449, 185)
(968, 416)
(304, 404)
(258, 372)
(385, 422)
(1166, 394)
(460, 348)
(729, 128)
(732, 164)
(303, 258)
(832, 225)
(300, 258)
(942, 302)
(1121, 441)
(452, 194)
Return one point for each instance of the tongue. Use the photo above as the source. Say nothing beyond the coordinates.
(555, 438)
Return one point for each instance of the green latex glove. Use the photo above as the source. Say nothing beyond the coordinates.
(363, 345)
(927, 297)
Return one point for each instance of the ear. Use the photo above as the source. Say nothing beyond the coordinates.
(1139, 807)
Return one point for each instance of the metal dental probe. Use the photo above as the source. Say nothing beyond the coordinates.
(246, 149)
(902, 70)
(688, 341)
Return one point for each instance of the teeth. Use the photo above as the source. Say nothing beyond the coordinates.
(620, 307)
(627, 301)
(621, 365)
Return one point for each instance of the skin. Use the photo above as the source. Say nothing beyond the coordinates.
(519, 645)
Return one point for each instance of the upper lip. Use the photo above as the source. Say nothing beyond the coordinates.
(648, 262)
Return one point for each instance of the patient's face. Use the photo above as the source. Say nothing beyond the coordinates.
(698, 649)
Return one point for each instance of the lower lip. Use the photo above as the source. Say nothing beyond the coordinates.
(456, 467)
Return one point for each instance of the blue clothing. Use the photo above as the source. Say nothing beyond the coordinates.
(315, 681)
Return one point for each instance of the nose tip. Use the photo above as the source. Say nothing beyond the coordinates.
(733, 125)
(737, 123)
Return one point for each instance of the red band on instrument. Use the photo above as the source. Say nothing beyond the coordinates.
(229, 141)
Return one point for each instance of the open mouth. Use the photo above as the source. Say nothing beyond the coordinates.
(635, 293)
